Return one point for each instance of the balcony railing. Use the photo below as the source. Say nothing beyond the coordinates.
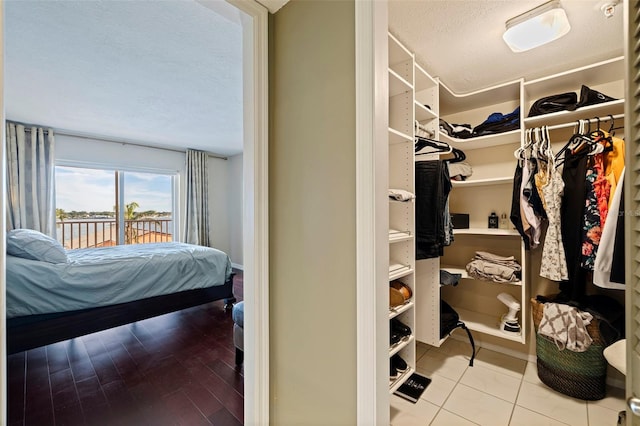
(74, 234)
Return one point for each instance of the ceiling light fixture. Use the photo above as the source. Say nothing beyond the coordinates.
(536, 27)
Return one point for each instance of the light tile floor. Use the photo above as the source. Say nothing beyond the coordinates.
(498, 390)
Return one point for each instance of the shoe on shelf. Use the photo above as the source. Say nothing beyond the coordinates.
(395, 338)
(393, 373)
(404, 289)
(398, 327)
(395, 298)
(398, 364)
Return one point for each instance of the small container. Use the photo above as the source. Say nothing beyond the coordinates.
(504, 221)
(493, 220)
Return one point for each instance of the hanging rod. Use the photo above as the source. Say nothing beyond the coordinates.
(430, 133)
(590, 120)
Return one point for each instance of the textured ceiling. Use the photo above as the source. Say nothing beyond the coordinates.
(156, 72)
(460, 41)
(168, 73)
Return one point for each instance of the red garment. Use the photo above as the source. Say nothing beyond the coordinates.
(602, 187)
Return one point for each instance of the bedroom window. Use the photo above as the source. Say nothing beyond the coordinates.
(100, 208)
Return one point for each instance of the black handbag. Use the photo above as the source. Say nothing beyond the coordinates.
(591, 97)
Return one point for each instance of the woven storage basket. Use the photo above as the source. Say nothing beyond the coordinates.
(581, 375)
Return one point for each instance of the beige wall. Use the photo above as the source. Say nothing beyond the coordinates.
(312, 214)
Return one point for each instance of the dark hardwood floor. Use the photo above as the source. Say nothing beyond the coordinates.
(175, 369)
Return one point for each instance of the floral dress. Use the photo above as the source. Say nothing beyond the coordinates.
(594, 212)
(553, 264)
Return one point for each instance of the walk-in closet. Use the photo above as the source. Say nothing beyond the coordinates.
(507, 214)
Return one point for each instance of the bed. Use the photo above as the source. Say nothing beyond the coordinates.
(54, 294)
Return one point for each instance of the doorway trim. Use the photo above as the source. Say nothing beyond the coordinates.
(255, 220)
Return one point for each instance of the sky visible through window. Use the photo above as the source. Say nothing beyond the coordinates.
(93, 190)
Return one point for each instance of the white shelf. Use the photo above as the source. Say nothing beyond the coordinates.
(590, 111)
(403, 76)
(482, 182)
(423, 80)
(465, 275)
(456, 270)
(486, 231)
(487, 324)
(396, 136)
(393, 386)
(397, 52)
(399, 272)
(401, 345)
(592, 75)
(487, 141)
(423, 113)
(394, 312)
(397, 84)
(451, 102)
(399, 236)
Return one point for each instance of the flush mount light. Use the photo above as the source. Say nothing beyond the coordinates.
(536, 27)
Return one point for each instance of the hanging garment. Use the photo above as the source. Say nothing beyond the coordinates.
(602, 188)
(515, 214)
(432, 186)
(448, 225)
(614, 163)
(595, 211)
(618, 263)
(542, 180)
(534, 230)
(553, 264)
(531, 192)
(604, 259)
(571, 214)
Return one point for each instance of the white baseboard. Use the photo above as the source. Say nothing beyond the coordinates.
(495, 348)
(237, 266)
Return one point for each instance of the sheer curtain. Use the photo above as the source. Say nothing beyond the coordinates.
(30, 178)
(197, 212)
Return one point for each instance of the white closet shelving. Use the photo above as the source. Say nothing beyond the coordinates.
(418, 97)
(606, 77)
(487, 190)
(402, 213)
(490, 189)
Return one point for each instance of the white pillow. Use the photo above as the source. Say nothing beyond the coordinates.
(34, 245)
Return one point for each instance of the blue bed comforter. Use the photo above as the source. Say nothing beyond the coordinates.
(111, 275)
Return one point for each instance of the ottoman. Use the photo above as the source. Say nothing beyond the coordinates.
(238, 331)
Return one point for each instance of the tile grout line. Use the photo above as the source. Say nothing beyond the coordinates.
(453, 389)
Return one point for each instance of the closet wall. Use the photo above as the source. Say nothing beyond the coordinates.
(312, 225)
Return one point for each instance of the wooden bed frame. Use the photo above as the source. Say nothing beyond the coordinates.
(33, 331)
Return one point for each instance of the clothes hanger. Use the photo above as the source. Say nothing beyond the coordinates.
(519, 153)
(602, 139)
(576, 140)
(544, 144)
(440, 147)
(459, 156)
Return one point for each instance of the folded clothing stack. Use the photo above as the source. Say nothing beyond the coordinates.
(492, 267)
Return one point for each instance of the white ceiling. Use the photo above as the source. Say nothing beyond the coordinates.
(460, 41)
(155, 72)
(168, 73)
